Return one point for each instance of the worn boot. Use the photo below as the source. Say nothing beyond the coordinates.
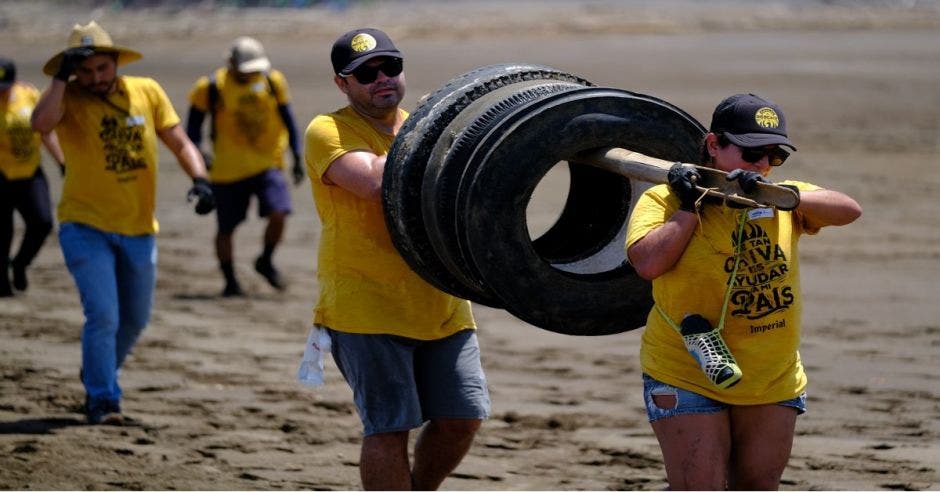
(232, 287)
(264, 266)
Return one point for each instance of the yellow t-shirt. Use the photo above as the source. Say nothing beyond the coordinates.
(19, 143)
(110, 148)
(365, 285)
(762, 324)
(250, 136)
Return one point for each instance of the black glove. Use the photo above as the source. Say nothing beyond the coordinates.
(71, 59)
(747, 179)
(682, 181)
(297, 170)
(202, 193)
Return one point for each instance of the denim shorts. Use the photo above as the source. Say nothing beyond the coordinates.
(232, 198)
(399, 383)
(688, 402)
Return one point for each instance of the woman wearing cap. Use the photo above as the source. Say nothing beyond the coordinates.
(23, 185)
(723, 380)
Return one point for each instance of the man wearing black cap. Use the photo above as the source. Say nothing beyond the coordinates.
(723, 379)
(23, 185)
(408, 351)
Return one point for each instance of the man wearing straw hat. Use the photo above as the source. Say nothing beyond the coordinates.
(108, 127)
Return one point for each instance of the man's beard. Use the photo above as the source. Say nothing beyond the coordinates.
(100, 88)
(387, 100)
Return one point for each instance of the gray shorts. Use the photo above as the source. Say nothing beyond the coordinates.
(399, 383)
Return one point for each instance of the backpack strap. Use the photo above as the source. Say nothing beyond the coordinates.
(273, 92)
(213, 104)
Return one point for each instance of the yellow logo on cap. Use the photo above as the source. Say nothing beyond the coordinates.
(3, 72)
(767, 118)
(362, 42)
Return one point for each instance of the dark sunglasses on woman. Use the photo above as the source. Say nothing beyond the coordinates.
(775, 155)
(366, 74)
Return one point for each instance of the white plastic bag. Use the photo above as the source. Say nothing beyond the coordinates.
(311, 365)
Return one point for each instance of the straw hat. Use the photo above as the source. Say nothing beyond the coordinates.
(93, 36)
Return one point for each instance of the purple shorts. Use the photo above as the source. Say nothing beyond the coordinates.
(232, 198)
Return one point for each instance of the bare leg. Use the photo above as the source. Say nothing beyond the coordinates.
(383, 462)
(224, 252)
(272, 236)
(223, 246)
(763, 438)
(441, 446)
(274, 231)
(696, 447)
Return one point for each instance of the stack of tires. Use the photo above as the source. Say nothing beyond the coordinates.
(462, 169)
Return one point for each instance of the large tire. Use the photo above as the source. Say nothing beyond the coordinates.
(508, 163)
(446, 166)
(407, 160)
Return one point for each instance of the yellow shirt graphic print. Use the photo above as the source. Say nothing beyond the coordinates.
(760, 287)
(19, 143)
(110, 147)
(123, 140)
(250, 118)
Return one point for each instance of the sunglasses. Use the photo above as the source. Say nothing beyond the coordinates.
(366, 74)
(775, 155)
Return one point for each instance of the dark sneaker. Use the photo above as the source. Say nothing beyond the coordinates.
(104, 413)
(711, 352)
(232, 289)
(19, 277)
(267, 270)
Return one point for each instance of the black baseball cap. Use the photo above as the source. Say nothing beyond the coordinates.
(358, 46)
(7, 73)
(748, 120)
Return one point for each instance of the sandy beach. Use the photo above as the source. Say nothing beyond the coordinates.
(210, 389)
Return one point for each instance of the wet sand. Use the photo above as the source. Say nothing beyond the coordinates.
(210, 386)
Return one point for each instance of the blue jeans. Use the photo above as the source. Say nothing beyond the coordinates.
(115, 275)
